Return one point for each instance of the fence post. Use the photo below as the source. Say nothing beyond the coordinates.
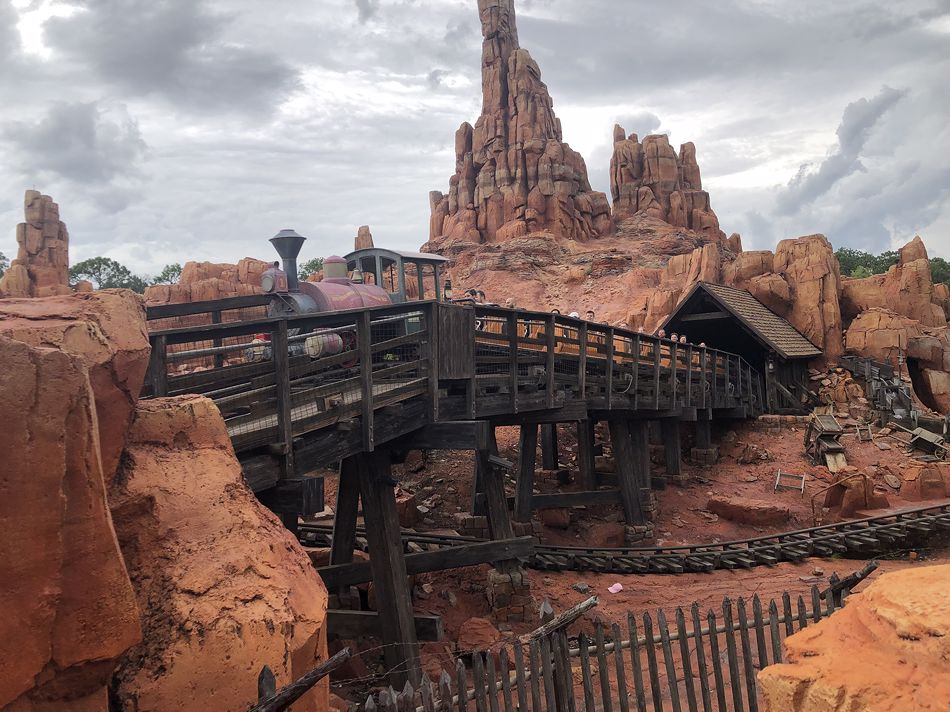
(550, 345)
(431, 352)
(364, 342)
(158, 366)
(285, 425)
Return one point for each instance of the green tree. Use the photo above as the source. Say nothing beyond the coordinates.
(4, 263)
(940, 270)
(309, 267)
(106, 273)
(860, 272)
(170, 274)
(860, 264)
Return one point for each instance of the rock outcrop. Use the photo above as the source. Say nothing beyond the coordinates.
(651, 178)
(907, 288)
(71, 610)
(514, 174)
(900, 626)
(204, 281)
(41, 267)
(224, 589)
(106, 330)
(364, 239)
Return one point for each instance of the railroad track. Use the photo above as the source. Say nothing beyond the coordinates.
(870, 536)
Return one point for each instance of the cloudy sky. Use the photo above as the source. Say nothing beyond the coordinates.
(171, 130)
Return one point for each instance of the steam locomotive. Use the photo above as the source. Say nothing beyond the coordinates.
(364, 279)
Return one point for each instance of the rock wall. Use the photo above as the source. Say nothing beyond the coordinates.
(650, 177)
(71, 608)
(106, 330)
(205, 281)
(224, 589)
(41, 267)
(887, 651)
(907, 289)
(514, 175)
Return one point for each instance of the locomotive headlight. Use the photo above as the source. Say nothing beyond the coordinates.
(267, 282)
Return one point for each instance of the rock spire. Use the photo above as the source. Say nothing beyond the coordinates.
(650, 177)
(514, 175)
(41, 267)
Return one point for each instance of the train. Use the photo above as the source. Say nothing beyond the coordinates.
(363, 279)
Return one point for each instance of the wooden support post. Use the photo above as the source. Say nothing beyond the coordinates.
(496, 503)
(550, 347)
(158, 367)
(672, 446)
(218, 358)
(640, 437)
(549, 446)
(527, 459)
(364, 340)
(627, 471)
(582, 361)
(478, 485)
(703, 431)
(512, 329)
(585, 454)
(347, 511)
(393, 600)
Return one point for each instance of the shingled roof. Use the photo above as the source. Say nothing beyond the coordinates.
(768, 326)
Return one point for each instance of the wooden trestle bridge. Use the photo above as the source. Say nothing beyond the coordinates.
(427, 375)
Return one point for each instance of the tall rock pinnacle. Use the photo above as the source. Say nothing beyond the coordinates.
(514, 175)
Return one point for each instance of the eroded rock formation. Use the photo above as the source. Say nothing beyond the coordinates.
(907, 289)
(887, 651)
(650, 177)
(364, 239)
(514, 174)
(71, 364)
(41, 267)
(204, 281)
(106, 330)
(224, 589)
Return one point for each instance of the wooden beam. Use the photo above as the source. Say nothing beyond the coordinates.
(301, 495)
(640, 437)
(453, 557)
(570, 412)
(458, 435)
(347, 512)
(590, 498)
(627, 471)
(527, 459)
(585, 454)
(672, 446)
(703, 432)
(167, 311)
(496, 505)
(352, 625)
(706, 316)
(388, 565)
(549, 446)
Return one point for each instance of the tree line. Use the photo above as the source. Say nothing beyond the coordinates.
(859, 264)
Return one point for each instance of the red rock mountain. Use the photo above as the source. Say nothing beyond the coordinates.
(514, 174)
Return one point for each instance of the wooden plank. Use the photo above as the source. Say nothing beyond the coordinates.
(627, 471)
(685, 658)
(563, 679)
(655, 688)
(456, 342)
(701, 668)
(158, 367)
(365, 355)
(512, 329)
(774, 635)
(656, 373)
(549, 446)
(587, 682)
(503, 665)
(351, 625)
(347, 512)
(638, 351)
(285, 426)
(705, 316)
(636, 664)
(527, 459)
(520, 669)
(582, 361)
(534, 659)
(560, 500)
(759, 622)
(298, 496)
(624, 693)
(734, 673)
(672, 446)
(672, 683)
(168, 311)
(550, 355)
(585, 454)
(393, 598)
(603, 670)
(716, 658)
(455, 557)
(610, 367)
(493, 485)
(747, 666)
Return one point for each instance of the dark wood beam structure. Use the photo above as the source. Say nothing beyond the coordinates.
(670, 432)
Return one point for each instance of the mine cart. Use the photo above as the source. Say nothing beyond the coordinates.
(926, 441)
(823, 442)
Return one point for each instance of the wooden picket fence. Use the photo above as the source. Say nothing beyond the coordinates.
(694, 662)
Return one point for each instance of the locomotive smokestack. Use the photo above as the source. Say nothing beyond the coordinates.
(288, 245)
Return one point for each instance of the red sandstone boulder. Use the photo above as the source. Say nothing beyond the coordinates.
(748, 511)
(224, 588)
(606, 535)
(478, 635)
(106, 330)
(556, 518)
(886, 651)
(205, 281)
(70, 608)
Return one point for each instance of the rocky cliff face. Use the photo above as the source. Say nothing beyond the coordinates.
(204, 281)
(41, 267)
(651, 178)
(896, 635)
(224, 589)
(72, 370)
(514, 174)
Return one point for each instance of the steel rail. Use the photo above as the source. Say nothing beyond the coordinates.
(863, 536)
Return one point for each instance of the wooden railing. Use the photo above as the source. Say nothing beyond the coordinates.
(276, 379)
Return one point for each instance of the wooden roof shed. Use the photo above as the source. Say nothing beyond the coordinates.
(732, 319)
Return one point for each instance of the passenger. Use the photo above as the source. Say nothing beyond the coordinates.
(683, 339)
(674, 337)
(702, 344)
(481, 297)
(590, 315)
(556, 311)
(510, 303)
(661, 333)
